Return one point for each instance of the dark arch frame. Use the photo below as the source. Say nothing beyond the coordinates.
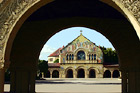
(111, 38)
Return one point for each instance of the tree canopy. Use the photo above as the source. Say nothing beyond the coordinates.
(110, 56)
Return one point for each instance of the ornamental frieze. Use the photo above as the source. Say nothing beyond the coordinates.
(133, 6)
(8, 18)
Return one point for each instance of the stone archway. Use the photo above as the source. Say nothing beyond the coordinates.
(55, 74)
(69, 73)
(92, 73)
(116, 74)
(81, 73)
(107, 74)
(12, 19)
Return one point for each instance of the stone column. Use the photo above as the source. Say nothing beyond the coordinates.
(133, 81)
(32, 81)
(75, 57)
(86, 73)
(51, 73)
(111, 74)
(22, 80)
(2, 71)
(124, 81)
(74, 74)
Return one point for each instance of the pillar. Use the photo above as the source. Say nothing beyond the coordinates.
(124, 81)
(2, 72)
(22, 80)
(74, 74)
(133, 81)
(32, 81)
(86, 73)
(111, 74)
(51, 74)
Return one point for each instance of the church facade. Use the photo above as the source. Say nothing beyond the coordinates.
(81, 58)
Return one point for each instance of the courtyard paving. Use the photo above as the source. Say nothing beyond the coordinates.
(81, 85)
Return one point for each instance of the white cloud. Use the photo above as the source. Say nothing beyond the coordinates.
(46, 51)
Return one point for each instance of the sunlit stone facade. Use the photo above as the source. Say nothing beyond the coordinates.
(81, 58)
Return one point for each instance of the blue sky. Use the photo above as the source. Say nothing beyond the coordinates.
(67, 35)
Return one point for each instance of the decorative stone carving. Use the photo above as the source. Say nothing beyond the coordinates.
(9, 16)
(133, 6)
(1, 64)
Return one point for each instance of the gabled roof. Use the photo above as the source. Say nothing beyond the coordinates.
(77, 38)
(56, 53)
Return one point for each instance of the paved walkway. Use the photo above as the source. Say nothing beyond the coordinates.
(77, 86)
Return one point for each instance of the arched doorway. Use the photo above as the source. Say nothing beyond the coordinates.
(30, 38)
(92, 73)
(81, 73)
(107, 74)
(47, 75)
(116, 74)
(55, 74)
(69, 73)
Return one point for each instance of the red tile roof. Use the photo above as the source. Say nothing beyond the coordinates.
(113, 65)
(53, 65)
(56, 53)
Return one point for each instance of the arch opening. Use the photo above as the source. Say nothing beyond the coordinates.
(107, 74)
(69, 73)
(116, 74)
(55, 74)
(47, 74)
(81, 73)
(92, 73)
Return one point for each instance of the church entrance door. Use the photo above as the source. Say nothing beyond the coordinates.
(81, 73)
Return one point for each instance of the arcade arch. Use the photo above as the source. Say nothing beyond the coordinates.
(92, 73)
(55, 74)
(69, 73)
(120, 31)
(107, 74)
(80, 73)
(47, 74)
(116, 74)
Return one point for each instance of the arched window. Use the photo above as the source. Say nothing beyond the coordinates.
(67, 57)
(81, 55)
(89, 56)
(94, 56)
(72, 56)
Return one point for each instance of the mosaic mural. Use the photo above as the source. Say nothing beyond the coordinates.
(84, 43)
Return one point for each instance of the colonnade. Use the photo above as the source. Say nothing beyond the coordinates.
(86, 73)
